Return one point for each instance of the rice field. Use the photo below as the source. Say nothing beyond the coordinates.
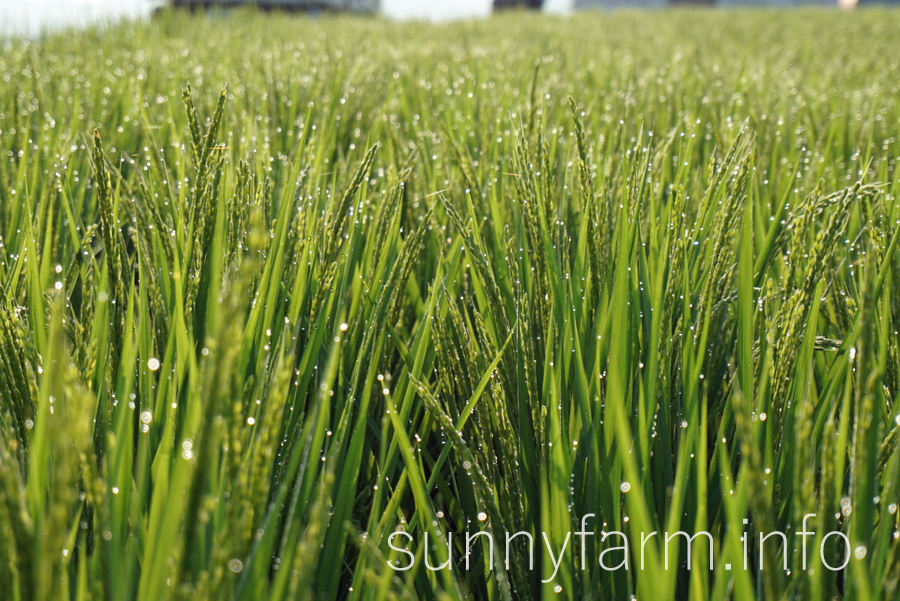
(280, 298)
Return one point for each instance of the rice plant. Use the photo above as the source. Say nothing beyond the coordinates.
(330, 309)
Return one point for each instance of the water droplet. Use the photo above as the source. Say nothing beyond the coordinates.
(236, 565)
(625, 487)
(846, 508)
(153, 364)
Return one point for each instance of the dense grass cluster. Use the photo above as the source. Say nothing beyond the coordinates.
(272, 289)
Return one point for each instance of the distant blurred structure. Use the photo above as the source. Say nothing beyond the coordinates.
(435, 11)
(420, 10)
(580, 4)
(441, 9)
(535, 4)
(613, 4)
(369, 6)
(737, 3)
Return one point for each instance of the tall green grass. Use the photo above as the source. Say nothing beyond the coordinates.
(272, 289)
